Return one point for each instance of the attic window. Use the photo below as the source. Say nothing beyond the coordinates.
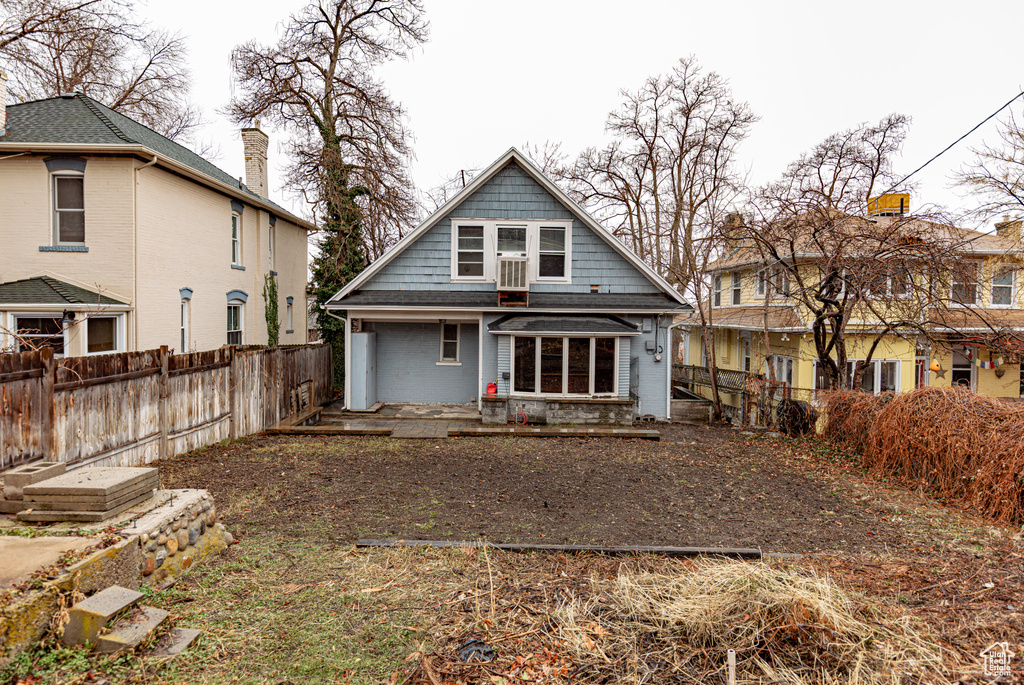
(470, 251)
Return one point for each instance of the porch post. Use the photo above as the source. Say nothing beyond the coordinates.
(480, 364)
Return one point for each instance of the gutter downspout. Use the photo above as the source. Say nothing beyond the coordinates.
(670, 353)
(135, 250)
(348, 346)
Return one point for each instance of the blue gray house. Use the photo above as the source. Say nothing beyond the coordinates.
(511, 283)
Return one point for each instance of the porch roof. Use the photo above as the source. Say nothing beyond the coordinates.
(605, 325)
(44, 290)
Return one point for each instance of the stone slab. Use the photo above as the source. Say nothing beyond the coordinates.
(87, 618)
(15, 480)
(131, 630)
(171, 503)
(70, 504)
(12, 506)
(150, 483)
(174, 642)
(87, 481)
(82, 516)
(19, 556)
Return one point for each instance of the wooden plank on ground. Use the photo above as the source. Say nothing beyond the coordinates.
(735, 552)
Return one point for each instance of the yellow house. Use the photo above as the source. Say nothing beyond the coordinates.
(757, 325)
(114, 238)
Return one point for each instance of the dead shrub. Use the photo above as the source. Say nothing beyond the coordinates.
(951, 441)
(784, 623)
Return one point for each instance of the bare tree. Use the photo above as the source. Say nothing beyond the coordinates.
(856, 275)
(997, 175)
(97, 48)
(670, 160)
(349, 148)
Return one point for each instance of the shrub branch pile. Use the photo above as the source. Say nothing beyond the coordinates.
(951, 441)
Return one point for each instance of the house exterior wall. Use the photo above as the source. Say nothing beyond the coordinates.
(183, 233)
(511, 194)
(407, 363)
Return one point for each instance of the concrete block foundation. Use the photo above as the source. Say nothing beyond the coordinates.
(559, 411)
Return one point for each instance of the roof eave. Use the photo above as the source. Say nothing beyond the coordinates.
(164, 161)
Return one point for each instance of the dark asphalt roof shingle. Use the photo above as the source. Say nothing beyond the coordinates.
(46, 290)
(78, 119)
(610, 325)
(463, 299)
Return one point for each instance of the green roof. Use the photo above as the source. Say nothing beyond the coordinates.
(79, 120)
(46, 290)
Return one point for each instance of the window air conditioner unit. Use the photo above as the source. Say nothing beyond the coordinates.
(512, 274)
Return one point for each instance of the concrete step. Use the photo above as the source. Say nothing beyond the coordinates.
(173, 642)
(131, 630)
(91, 615)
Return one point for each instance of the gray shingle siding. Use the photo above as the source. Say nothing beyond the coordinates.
(653, 389)
(407, 368)
(511, 194)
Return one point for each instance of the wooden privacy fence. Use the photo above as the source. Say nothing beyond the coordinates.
(130, 408)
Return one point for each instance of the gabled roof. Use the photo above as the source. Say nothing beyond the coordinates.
(776, 317)
(78, 120)
(45, 290)
(487, 174)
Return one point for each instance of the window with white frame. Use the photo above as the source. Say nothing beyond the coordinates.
(545, 246)
(745, 343)
(68, 198)
(103, 334)
(551, 252)
(736, 287)
(1002, 286)
(36, 331)
(776, 278)
(716, 290)
(965, 282)
(449, 343)
(236, 238)
(184, 326)
(880, 375)
(288, 318)
(271, 239)
(469, 252)
(549, 365)
(783, 367)
(236, 310)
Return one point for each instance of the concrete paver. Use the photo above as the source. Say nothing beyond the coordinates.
(19, 556)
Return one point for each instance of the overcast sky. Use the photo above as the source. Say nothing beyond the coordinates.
(495, 75)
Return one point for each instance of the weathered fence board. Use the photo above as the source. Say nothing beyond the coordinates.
(131, 408)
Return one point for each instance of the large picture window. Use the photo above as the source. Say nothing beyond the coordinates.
(551, 365)
(68, 207)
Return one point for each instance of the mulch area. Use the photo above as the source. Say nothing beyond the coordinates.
(698, 487)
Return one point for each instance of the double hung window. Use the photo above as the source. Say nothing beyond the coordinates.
(68, 195)
(736, 287)
(35, 332)
(236, 238)
(470, 241)
(449, 343)
(551, 260)
(716, 290)
(540, 250)
(965, 283)
(1002, 287)
(235, 319)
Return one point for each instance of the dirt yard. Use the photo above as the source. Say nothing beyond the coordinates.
(699, 487)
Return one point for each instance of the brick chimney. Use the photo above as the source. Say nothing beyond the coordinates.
(3, 103)
(1009, 229)
(255, 142)
(732, 232)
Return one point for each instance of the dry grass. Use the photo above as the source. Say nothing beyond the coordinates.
(789, 625)
(952, 441)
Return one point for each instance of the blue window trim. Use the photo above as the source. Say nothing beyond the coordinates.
(273, 220)
(238, 266)
(65, 164)
(63, 248)
(289, 299)
(186, 293)
(238, 295)
(237, 206)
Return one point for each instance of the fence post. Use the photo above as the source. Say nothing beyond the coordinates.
(232, 393)
(163, 388)
(46, 399)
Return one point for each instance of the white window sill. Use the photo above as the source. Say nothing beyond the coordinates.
(449, 364)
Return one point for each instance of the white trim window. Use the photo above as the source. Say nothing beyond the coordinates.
(779, 277)
(965, 283)
(469, 252)
(104, 334)
(236, 317)
(236, 238)
(36, 331)
(451, 335)
(737, 292)
(68, 203)
(271, 240)
(545, 246)
(288, 318)
(745, 345)
(1003, 286)
(184, 326)
(783, 366)
(564, 365)
(716, 290)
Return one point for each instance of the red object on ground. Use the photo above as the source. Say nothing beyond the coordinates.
(492, 388)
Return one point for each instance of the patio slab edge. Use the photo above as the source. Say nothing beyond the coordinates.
(733, 552)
